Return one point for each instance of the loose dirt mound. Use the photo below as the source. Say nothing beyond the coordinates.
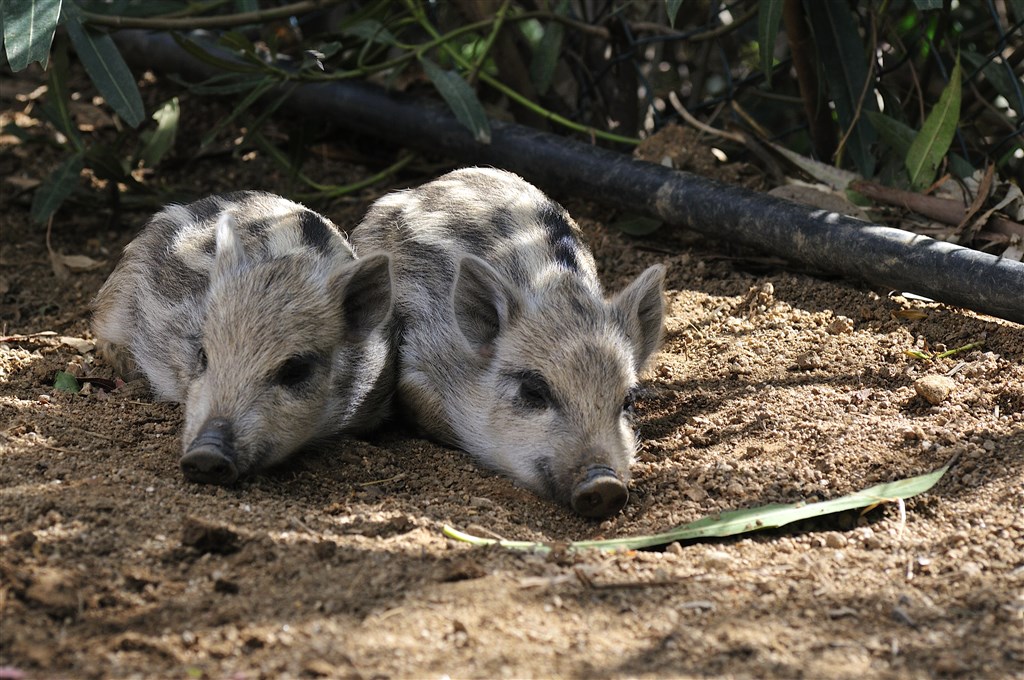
(771, 387)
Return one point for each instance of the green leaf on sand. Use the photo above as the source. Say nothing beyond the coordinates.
(736, 521)
(65, 382)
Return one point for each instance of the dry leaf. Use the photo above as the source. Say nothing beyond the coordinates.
(818, 196)
(910, 314)
(81, 263)
(22, 183)
(1014, 252)
(60, 270)
(1013, 193)
(80, 345)
(980, 196)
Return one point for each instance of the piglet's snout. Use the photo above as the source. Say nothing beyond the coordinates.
(210, 458)
(599, 493)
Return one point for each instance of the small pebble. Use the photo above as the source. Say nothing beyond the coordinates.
(934, 389)
(808, 361)
(840, 325)
(835, 540)
(717, 559)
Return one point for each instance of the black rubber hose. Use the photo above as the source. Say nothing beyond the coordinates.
(828, 241)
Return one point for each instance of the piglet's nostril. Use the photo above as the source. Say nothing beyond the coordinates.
(210, 457)
(600, 493)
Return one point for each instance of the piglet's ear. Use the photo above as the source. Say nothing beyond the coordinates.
(483, 302)
(366, 295)
(230, 255)
(643, 306)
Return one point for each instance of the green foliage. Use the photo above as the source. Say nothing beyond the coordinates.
(769, 15)
(577, 71)
(66, 382)
(672, 9)
(56, 108)
(546, 53)
(461, 99)
(28, 26)
(736, 522)
(844, 64)
(107, 69)
(156, 143)
(1001, 76)
(371, 31)
(1018, 9)
(57, 187)
(932, 142)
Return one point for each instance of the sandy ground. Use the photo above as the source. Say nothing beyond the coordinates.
(772, 386)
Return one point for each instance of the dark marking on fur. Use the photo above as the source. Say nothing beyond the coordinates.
(316, 232)
(565, 253)
(564, 243)
(257, 228)
(504, 223)
(175, 280)
(207, 209)
(518, 272)
(472, 234)
(441, 270)
(210, 244)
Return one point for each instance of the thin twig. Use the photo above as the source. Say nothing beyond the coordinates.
(742, 137)
(100, 435)
(688, 117)
(711, 34)
(941, 209)
(497, 22)
(194, 22)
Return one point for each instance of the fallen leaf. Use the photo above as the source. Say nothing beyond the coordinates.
(1014, 252)
(984, 189)
(22, 183)
(81, 263)
(823, 198)
(65, 382)
(80, 345)
(60, 270)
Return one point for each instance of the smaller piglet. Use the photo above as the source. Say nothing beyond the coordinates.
(508, 348)
(254, 312)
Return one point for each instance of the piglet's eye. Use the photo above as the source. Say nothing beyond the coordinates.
(534, 391)
(295, 372)
(629, 403)
(201, 360)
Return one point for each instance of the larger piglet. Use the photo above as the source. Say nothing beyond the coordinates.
(509, 349)
(252, 311)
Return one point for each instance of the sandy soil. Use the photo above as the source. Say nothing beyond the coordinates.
(772, 386)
